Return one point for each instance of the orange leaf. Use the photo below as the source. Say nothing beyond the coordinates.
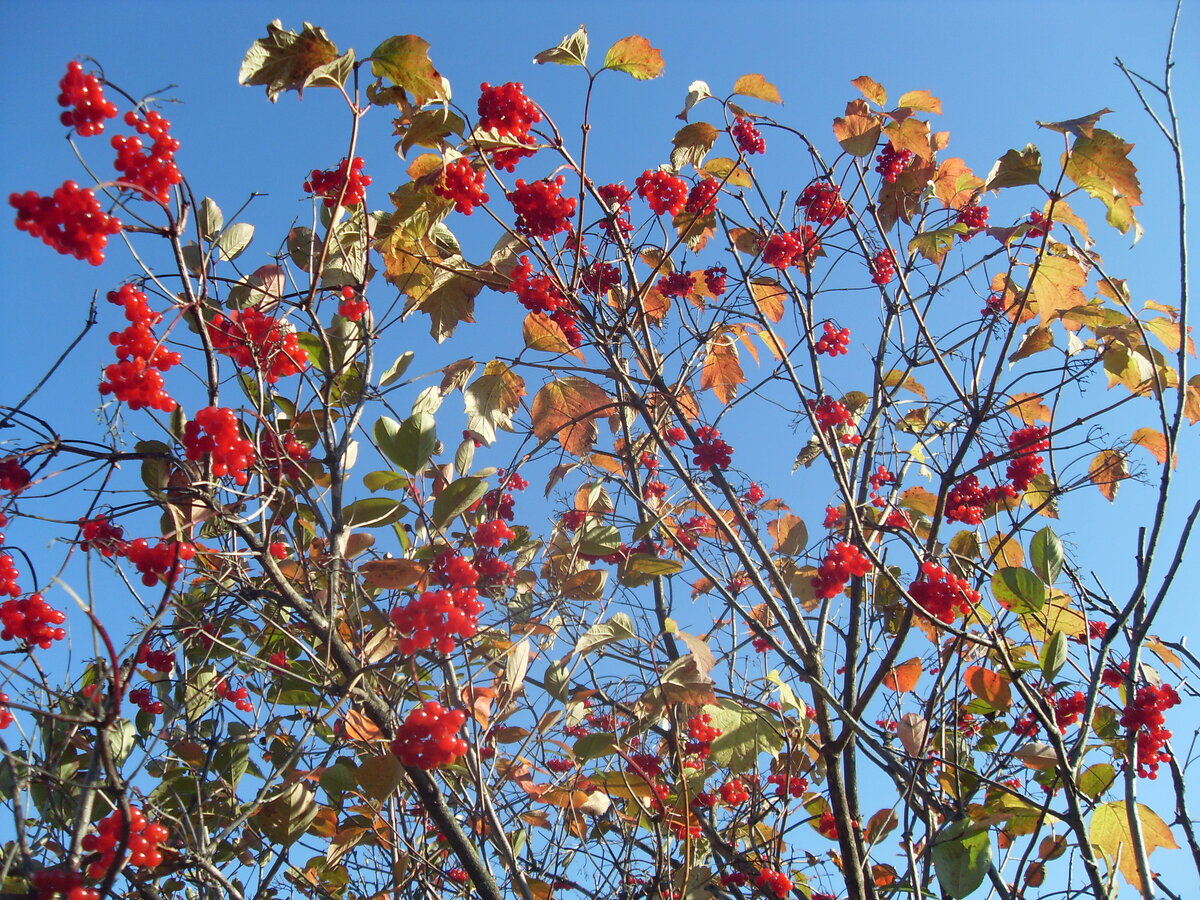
(1029, 408)
(904, 677)
(768, 295)
(722, 371)
(392, 574)
(871, 89)
(988, 686)
(920, 101)
(358, 727)
(1153, 440)
(543, 333)
(1106, 471)
(567, 409)
(757, 87)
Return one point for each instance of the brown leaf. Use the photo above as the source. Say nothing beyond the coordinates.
(544, 334)
(1155, 442)
(911, 134)
(956, 185)
(1106, 471)
(857, 134)
(1081, 127)
(871, 89)
(722, 371)
(904, 677)
(988, 686)
(566, 409)
(392, 574)
(791, 536)
(769, 296)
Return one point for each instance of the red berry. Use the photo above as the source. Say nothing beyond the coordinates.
(541, 211)
(506, 110)
(348, 176)
(891, 164)
(428, 737)
(747, 137)
(70, 221)
(461, 183)
(84, 93)
(663, 193)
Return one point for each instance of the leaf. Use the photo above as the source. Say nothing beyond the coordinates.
(634, 56)
(1053, 656)
(1046, 555)
(642, 568)
(285, 819)
(757, 87)
(721, 371)
(1106, 471)
(396, 370)
(492, 399)
(691, 144)
(745, 734)
(1016, 168)
(961, 858)
(920, 101)
(894, 378)
(544, 334)
(379, 776)
(1100, 165)
(1110, 832)
(790, 533)
(392, 574)
(871, 89)
(1081, 127)
(911, 134)
(912, 730)
(858, 131)
(1056, 286)
(408, 445)
(1034, 341)
(1029, 408)
(199, 692)
(904, 677)
(769, 296)
(988, 686)
(955, 184)
(697, 91)
(566, 409)
(234, 240)
(261, 288)
(429, 128)
(572, 50)
(403, 60)
(725, 169)
(373, 512)
(934, 245)
(456, 498)
(284, 60)
(618, 628)
(209, 218)
(1018, 590)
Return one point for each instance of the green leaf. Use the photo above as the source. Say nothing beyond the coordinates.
(209, 218)
(1015, 168)
(372, 512)
(572, 50)
(1053, 656)
(634, 56)
(404, 61)
(961, 858)
(594, 746)
(285, 819)
(642, 568)
(456, 498)
(598, 540)
(1111, 833)
(1019, 590)
(231, 761)
(692, 143)
(413, 443)
(199, 692)
(1096, 779)
(429, 127)
(618, 628)
(286, 61)
(234, 240)
(1046, 555)
(934, 245)
(558, 681)
(396, 370)
(746, 734)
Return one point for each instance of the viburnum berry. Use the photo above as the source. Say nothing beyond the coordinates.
(282, 455)
(967, 500)
(458, 876)
(974, 215)
(69, 220)
(663, 193)
(6, 716)
(437, 618)
(754, 493)
(701, 733)
(14, 477)
(278, 549)
(1038, 225)
(153, 172)
(827, 826)
(733, 792)
(1143, 717)
(461, 183)
(841, 563)
(774, 882)
(61, 882)
(506, 110)
(239, 696)
(32, 621)
(599, 278)
(8, 577)
(257, 341)
(748, 138)
(1027, 464)
(830, 413)
(352, 306)
(702, 198)
(215, 432)
(891, 163)
(133, 379)
(822, 203)
(786, 785)
(329, 184)
(158, 660)
(792, 248)
(140, 836)
(710, 452)
(834, 341)
(493, 534)
(715, 278)
(541, 210)
(560, 766)
(942, 594)
(883, 267)
(616, 199)
(83, 92)
(145, 701)
(162, 561)
(677, 284)
(428, 737)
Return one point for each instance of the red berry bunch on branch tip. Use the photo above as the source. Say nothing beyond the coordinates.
(8, 577)
(133, 379)
(460, 183)
(428, 738)
(715, 278)
(709, 451)
(663, 193)
(830, 413)
(599, 278)
(701, 733)
(70, 220)
(152, 172)
(506, 110)
(82, 91)
(329, 184)
(786, 785)
(1144, 719)
(774, 882)
(158, 660)
(616, 199)
(14, 477)
(493, 534)
(216, 432)
(702, 198)
(748, 138)
(883, 267)
(239, 696)
(32, 621)
(941, 594)
(352, 306)
(834, 341)
(1026, 442)
(677, 284)
(101, 535)
(822, 203)
(437, 618)
(283, 456)
(843, 562)
(792, 248)
(733, 792)
(974, 216)
(967, 500)
(1039, 225)
(541, 210)
(145, 701)
(61, 882)
(162, 561)
(257, 341)
(142, 840)
(891, 163)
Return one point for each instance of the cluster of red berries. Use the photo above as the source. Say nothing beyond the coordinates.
(663, 193)
(437, 618)
(152, 172)
(891, 163)
(215, 432)
(70, 220)
(135, 378)
(141, 838)
(598, 278)
(677, 284)
(748, 138)
(239, 696)
(710, 452)
(1039, 225)
(786, 785)
(967, 500)
(539, 293)
(715, 278)
(834, 341)
(793, 248)
(162, 561)
(974, 216)
(1143, 716)
(330, 183)
(883, 267)
(32, 621)
(616, 199)
(506, 110)
(158, 660)
(6, 716)
(428, 737)
(493, 534)
(830, 413)
(560, 766)
(822, 203)
(8, 577)
(541, 210)
(733, 792)
(774, 881)
(754, 493)
(145, 701)
(1026, 443)
(257, 341)
(701, 734)
(462, 184)
(102, 535)
(500, 501)
(14, 477)
(841, 563)
(702, 198)
(458, 876)
(282, 456)
(82, 91)
(352, 306)
(827, 826)
(941, 594)
(61, 882)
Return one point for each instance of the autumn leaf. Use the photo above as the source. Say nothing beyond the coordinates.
(790, 534)
(769, 296)
(904, 677)
(492, 399)
(721, 371)
(920, 101)
(988, 686)
(871, 89)
(1081, 127)
(955, 184)
(1106, 471)
(692, 143)
(1056, 286)
(1110, 832)
(567, 409)
(1016, 168)
(911, 134)
(1154, 441)
(1100, 165)
(634, 56)
(572, 50)
(286, 61)
(1029, 408)
(403, 59)
(858, 133)
(757, 87)
(392, 574)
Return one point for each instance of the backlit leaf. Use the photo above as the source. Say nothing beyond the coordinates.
(721, 371)
(456, 498)
(904, 677)
(1030, 408)
(492, 399)
(757, 87)
(1100, 165)
(1106, 471)
(871, 89)
(572, 50)
(1110, 832)
(285, 60)
(934, 245)
(566, 409)
(990, 687)
(403, 59)
(962, 855)
(1046, 555)
(1081, 127)
(285, 819)
(1056, 286)
(392, 574)
(920, 101)
(1019, 590)
(857, 134)
(634, 56)
(1016, 168)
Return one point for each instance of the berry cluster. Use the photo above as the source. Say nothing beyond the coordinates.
(701, 733)
(163, 560)
(14, 477)
(257, 341)
(822, 203)
(1144, 718)
(599, 278)
(158, 660)
(754, 493)
(663, 193)
(974, 216)
(437, 617)
(773, 881)
(883, 267)
(827, 826)
(539, 293)
(135, 378)
(82, 91)
(330, 183)
(677, 284)
(460, 183)
(215, 432)
(1038, 225)
(6, 716)
(506, 110)
(748, 138)
(616, 199)
(144, 700)
(31, 620)
(352, 306)
(61, 882)
(141, 838)
(841, 563)
(830, 413)
(733, 792)
(834, 341)
(786, 785)
(710, 452)
(152, 172)
(239, 696)
(967, 500)
(282, 456)
(714, 279)
(942, 595)
(499, 501)
(8, 577)
(1026, 443)
(428, 738)
(702, 198)
(560, 766)
(891, 163)
(541, 210)
(493, 534)
(792, 248)
(70, 220)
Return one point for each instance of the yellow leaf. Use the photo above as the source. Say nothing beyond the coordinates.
(1110, 832)
(757, 87)
(634, 56)
(1029, 408)
(768, 296)
(722, 372)
(1106, 471)
(871, 89)
(544, 334)
(897, 379)
(921, 101)
(857, 134)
